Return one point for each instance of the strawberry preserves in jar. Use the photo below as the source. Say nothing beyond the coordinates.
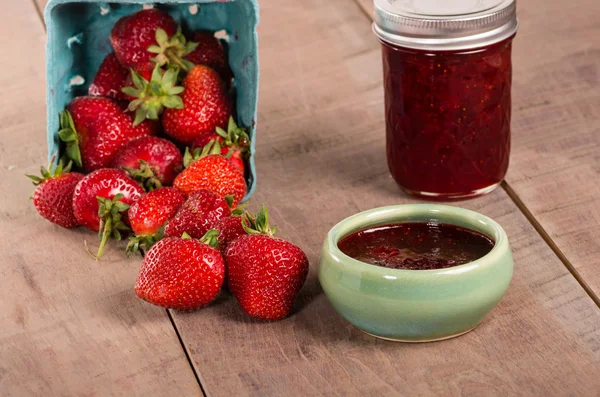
(447, 79)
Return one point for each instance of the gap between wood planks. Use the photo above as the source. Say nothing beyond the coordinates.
(365, 10)
(40, 14)
(544, 234)
(187, 353)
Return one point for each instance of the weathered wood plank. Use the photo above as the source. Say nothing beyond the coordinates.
(321, 158)
(555, 166)
(71, 326)
(365, 5)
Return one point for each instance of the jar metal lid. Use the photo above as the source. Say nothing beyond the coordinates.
(444, 24)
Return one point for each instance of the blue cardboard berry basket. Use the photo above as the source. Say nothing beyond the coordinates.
(79, 39)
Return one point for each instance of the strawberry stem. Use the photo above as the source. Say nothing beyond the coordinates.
(111, 224)
(212, 147)
(52, 171)
(145, 176)
(172, 51)
(104, 237)
(211, 238)
(152, 97)
(258, 224)
(235, 137)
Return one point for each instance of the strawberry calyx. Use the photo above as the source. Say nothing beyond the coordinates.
(239, 211)
(53, 171)
(213, 147)
(69, 135)
(235, 137)
(111, 212)
(258, 224)
(171, 51)
(210, 238)
(152, 97)
(144, 242)
(145, 176)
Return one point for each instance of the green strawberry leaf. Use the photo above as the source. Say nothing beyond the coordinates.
(152, 97)
(259, 223)
(211, 238)
(68, 134)
(172, 51)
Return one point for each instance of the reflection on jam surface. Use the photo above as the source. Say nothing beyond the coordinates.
(416, 246)
(448, 118)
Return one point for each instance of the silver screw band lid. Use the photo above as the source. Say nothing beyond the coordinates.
(444, 24)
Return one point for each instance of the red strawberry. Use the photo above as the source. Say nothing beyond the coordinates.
(265, 273)
(94, 128)
(205, 106)
(229, 228)
(53, 196)
(152, 161)
(132, 36)
(110, 79)
(101, 201)
(210, 52)
(181, 273)
(149, 214)
(198, 214)
(212, 172)
(235, 143)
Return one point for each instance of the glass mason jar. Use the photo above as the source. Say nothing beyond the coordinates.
(447, 79)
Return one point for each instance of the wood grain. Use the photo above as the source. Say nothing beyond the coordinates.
(555, 166)
(71, 326)
(321, 158)
(365, 5)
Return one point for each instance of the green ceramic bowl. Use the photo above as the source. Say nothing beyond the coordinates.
(415, 305)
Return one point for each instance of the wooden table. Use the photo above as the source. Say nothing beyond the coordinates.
(73, 326)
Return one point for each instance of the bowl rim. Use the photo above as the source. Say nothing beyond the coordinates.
(335, 234)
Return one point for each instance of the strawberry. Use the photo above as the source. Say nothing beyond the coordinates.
(101, 201)
(211, 171)
(230, 228)
(95, 128)
(234, 142)
(152, 161)
(210, 52)
(150, 95)
(198, 214)
(110, 79)
(181, 273)
(53, 196)
(265, 273)
(205, 106)
(149, 214)
(132, 36)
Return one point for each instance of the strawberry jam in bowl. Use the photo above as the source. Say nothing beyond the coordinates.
(447, 79)
(415, 273)
(416, 246)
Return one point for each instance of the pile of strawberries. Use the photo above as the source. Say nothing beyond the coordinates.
(157, 96)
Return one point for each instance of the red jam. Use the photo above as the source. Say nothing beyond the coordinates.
(448, 119)
(416, 246)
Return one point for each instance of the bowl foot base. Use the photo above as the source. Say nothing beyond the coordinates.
(421, 341)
